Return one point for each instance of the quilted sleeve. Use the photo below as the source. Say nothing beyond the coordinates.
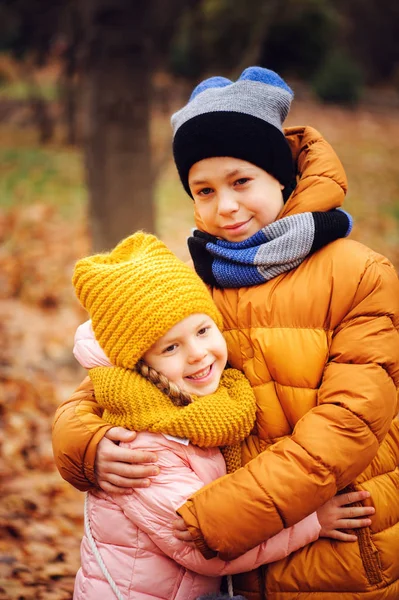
(77, 430)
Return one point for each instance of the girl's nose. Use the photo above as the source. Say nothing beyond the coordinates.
(196, 352)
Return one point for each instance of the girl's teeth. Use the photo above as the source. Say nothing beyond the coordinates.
(201, 374)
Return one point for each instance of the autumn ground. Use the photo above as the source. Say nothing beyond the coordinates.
(43, 230)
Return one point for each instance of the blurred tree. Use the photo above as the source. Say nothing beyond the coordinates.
(71, 74)
(339, 79)
(124, 42)
(300, 37)
(34, 31)
(371, 30)
(27, 28)
(221, 36)
(188, 49)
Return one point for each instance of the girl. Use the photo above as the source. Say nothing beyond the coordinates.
(154, 320)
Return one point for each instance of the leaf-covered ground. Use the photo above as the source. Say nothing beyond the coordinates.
(42, 232)
(40, 515)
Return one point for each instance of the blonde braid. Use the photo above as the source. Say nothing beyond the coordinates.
(178, 397)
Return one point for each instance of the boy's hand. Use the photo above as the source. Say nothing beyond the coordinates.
(335, 515)
(120, 468)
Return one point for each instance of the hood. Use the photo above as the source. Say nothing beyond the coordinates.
(321, 180)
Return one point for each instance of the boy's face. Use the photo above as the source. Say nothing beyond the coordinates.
(234, 198)
(192, 354)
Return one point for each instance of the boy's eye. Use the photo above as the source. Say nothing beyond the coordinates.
(241, 181)
(205, 191)
(169, 349)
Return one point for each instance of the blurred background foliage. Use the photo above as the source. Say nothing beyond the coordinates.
(297, 38)
(87, 88)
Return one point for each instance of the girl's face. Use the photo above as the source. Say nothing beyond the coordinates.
(233, 198)
(192, 355)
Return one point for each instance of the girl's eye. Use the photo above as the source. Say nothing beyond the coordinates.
(203, 330)
(169, 349)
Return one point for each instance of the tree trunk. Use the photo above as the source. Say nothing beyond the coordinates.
(39, 106)
(43, 120)
(71, 76)
(117, 140)
(70, 101)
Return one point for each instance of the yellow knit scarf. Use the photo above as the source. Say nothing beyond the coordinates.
(222, 419)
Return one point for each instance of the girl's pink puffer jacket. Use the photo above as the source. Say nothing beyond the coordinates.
(134, 535)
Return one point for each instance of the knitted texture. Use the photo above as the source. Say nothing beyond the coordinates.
(223, 418)
(275, 249)
(136, 293)
(232, 457)
(241, 119)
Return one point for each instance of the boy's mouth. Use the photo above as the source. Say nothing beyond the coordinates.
(200, 375)
(236, 226)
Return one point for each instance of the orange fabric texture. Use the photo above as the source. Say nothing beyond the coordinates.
(320, 346)
(77, 430)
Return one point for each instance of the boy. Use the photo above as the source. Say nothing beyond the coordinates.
(311, 319)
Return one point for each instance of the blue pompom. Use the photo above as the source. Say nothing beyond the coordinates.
(212, 82)
(265, 76)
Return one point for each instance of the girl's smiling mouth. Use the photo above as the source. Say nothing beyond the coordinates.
(201, 375)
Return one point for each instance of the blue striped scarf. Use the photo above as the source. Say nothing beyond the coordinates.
(275, 249)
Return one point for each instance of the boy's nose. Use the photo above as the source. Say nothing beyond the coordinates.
(227, 204)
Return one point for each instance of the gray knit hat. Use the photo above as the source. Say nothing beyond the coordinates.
(243, 120)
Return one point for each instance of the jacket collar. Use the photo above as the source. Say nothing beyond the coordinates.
(321, 180)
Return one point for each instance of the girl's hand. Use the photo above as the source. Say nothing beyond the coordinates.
(335, 515)
(120, 468)
(181, 532)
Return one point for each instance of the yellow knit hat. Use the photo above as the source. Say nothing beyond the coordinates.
(136, 293)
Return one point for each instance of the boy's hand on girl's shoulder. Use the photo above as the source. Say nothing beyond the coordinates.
(120, 469)
(339, 513)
